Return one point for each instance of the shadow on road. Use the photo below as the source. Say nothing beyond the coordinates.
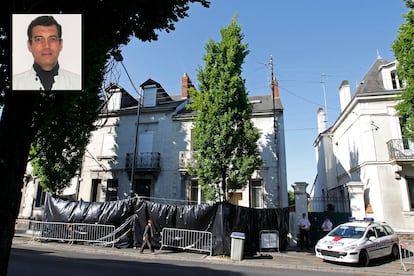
(38, 262)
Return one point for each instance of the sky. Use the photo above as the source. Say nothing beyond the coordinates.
(315, 45)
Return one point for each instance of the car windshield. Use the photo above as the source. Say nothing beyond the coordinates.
(350, 232)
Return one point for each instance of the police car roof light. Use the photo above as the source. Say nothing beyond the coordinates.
(369, 219)
(351, 219)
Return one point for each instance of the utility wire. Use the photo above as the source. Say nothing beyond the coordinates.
(305, 99)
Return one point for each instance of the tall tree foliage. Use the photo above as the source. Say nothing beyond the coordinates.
(57, 150)
(403, 48)
(58, 125)
(224, 138)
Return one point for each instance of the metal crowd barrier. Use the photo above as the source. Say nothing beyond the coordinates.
(192, 240)
(406, 253)
(269, 239)
(99, 234)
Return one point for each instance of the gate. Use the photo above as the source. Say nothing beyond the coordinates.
(200, 241)
(99, 234)
(316, 219)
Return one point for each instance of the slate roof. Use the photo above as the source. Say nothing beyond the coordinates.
(162, 95)
(372, 81)
(126, 100)
(264, 103)
(261, 104)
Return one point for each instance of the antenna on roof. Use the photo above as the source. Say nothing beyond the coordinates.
(271, 66)
(274, 85)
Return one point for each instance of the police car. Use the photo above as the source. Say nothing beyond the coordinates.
(358, 242)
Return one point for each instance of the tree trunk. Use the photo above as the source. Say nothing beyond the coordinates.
(16, 134)
(223, 188)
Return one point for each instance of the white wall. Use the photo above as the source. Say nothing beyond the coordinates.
(360, 147)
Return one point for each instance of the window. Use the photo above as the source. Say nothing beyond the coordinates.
(109, 146)
(410, 188)
(396, 82)
(388, 229)
(381, 231)
(196, 195)
(95, 193)
(150, 95)
(193, 192)
(143, 188)
(40, 196)
(371, 233)
(112, 189)
(256, 193)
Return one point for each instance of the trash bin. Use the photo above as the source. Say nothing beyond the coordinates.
(237, 246)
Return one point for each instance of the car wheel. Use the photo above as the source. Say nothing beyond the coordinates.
(395, 252)
(363, 258)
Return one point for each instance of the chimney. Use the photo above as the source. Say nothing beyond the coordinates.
(185, 84)
(114, 94)
(275, 88)
(344, 94)
(321, 120)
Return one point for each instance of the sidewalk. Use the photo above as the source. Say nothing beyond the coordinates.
(291, 259)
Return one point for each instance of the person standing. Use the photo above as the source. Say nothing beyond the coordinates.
(326, 225)
(304, 228)
(147, 236)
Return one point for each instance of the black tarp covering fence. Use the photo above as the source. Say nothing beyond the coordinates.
(129, 216)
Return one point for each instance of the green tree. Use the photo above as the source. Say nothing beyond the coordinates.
(57, 150)
(224, 138)
(291, 198)
(58, 125)
(403, 48)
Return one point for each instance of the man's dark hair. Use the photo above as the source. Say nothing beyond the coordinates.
(44, 20)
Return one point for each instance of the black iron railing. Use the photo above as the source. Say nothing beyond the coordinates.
(400, 149)
(144, 160)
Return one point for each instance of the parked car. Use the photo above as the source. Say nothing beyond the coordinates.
(358, 242)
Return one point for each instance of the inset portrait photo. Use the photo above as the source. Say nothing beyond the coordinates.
(47, 52)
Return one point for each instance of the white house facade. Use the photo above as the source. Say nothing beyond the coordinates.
(363, 158)
(158, 133)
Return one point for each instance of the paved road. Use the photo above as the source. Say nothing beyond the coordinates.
(62, 263)
(34, 258)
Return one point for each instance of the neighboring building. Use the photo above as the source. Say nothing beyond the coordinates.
(362, 157)
(162, 141)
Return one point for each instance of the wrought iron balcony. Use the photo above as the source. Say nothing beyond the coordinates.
(401, 150)
(145, 161)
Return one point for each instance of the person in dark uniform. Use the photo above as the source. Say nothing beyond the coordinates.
(147, 236)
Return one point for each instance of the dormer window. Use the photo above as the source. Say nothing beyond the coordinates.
(150, 95)
(390, 78)
(396, 82)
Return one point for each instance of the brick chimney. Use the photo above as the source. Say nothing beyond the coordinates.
(275, 88)
(185, 84)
